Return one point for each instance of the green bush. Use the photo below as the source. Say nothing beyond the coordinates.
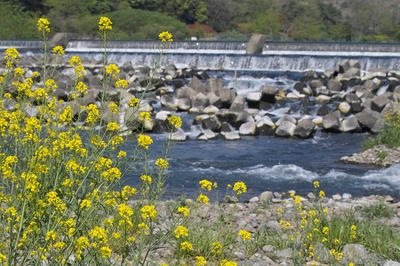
(16, 23)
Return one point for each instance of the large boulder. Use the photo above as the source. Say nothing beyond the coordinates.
(304, 128)
(168, 102)
(207, 134)
(255, 44)
(379, 102)
(253, 99)
(183, 104)
(214, 85)
(237, 104)
(286, 118)
(316, 83)
(285, 129)
(248, 128)
(200, 100)
(197, 85)
(265, 126)
(334, 85)
(211, 122)
(227, 96)
(233, 135)
(354, 102)
(331, 121)
(161, 123)
(185, 92)
(268, 94)
(350, 124)
(179, 135)
(370, 120)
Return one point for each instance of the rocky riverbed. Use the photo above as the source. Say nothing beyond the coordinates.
(342, 100)
(263, 215)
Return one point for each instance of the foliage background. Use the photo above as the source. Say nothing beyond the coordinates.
(342, 20)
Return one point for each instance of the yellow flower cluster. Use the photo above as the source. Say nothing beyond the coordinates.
(239, 188)
(105, 24)
(165, 36)
(175, 121)
(144, 141)
(244, 235)
(58, 50)
(181, 231)
(43, 25)
(161, 163)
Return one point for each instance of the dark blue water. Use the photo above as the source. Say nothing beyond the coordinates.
(275, 164)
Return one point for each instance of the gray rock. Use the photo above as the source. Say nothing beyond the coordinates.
(211, 109)
(233, 135)
(379, 102)
(200, 100)
(227, 96)
(316, 83)
(183, 104)
(255, 44)
(334, 85)
(391, 263)
(161, 123)
(273, 225)
(61, 94)
(169, 102)
(268, 94)
(285, 253)
(304, 128)
(265, 126)
(198, 86)
(321, 252)
(350, 124)
(286, 118)
(31, 111)
(248, 128)
(355, 253)
(90, 97)
(214, 85)
(226, 127)
(178, 136)
(211, 122)
(285, 129)
(237, 104)
(266, 196)
(331, 121)
(268, 248)
(344, 107)
(207, 134)
(214, 100)
(370, 120)
(253, 99)
(352, 73)
(185, 92)
(337, 197)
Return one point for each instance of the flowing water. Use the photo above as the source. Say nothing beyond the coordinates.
(270, 163)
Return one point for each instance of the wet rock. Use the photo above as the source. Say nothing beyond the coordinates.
(227, 96)
(161, 123)
(198, 86)
(265, 126)
(334, 85)
(323, 110)
(379, 102)
(304, 128)
(200, 100)
(207, 134)
(169, 102)
(268, 94)
(316, 83)
(233, 135)
(370, 120)
(211, 109)
(354, 102)
(185, 92)
(285, 129)
(253, 99)
(331, 121)
(214, 85)
(286, 118)
(178, 136)
(248, 128)
(182, 104)
(211, 122)
(323, 98)
(344, 107)
(350, 124)
(237, 104)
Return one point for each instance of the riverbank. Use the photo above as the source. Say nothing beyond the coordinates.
(292, 230)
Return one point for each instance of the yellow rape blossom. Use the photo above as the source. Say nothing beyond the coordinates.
(244, 235)
(203, 199)
(161, 163)
(148, 212)
(205, 185)
(165, 36)
(105, 24)
(175, 121)
(43, 25)
(186, 246)
(58, 50)
(181, 231)
(184, 210)
(240, 188)
(200, 261)
(144, 141)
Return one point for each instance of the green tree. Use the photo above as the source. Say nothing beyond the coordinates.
(267, 23)
(16, 22)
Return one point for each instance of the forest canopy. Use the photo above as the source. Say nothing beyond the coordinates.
(298, 20)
